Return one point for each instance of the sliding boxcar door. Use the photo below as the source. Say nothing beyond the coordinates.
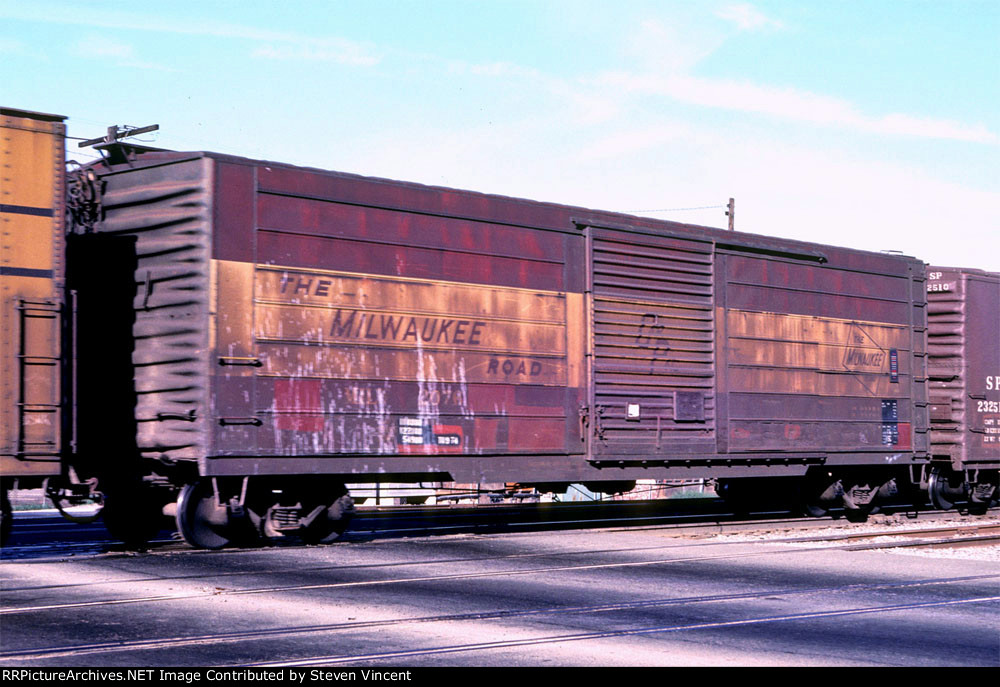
(653, 383)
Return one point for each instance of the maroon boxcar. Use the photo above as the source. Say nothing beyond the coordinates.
(291, 330)
(964, 371)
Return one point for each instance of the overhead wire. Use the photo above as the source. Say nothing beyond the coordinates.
(702, 207)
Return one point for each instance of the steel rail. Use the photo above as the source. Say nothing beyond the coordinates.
(683, 525)
(959, 529)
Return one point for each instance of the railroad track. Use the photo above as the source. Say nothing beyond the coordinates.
(689, 516)
(944, 536)
(934, 537)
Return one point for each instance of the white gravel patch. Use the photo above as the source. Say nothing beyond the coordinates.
(879, 524)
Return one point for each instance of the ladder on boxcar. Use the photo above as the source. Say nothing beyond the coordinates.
(29, 446)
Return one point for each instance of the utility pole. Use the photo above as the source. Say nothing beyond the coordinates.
(117, 133)
(732, 213)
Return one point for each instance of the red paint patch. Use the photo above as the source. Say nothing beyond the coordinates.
(297, 405)
(905, 435)
(536, 434)
(486, 432)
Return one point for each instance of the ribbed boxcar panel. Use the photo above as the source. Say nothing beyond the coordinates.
(653, 337)
(31, 278)
(374, 328)
(312, 233)
(806, 278)
(329, 417)
(964, 366)
(233, 212)
(167, 210)
(410, 198)
(369, 364)
(402, 228)
(822, 357)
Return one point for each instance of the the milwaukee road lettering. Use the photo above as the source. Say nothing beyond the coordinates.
(400, 295)
(457, 366)
(372, 328)
(317, 308)
(350, 324)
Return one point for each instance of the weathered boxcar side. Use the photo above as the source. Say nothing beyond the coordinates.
(295, 322)
(964, 371)
(31, 275)
(756, 357)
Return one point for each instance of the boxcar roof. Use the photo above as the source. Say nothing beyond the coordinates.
(475, 205)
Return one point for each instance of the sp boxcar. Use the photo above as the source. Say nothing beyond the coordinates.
(253, 336)
(964, 370)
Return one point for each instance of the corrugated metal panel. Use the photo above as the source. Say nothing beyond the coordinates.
(367, 330)
(166, 210)
(653, 344)
(355, 363)
(822, 356)
(964, 366)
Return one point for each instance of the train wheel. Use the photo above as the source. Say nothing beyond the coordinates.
(945, 488)
(201, 520)
(332, 522)
(6, 518)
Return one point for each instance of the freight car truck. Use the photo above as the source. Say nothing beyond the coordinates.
(251, 336)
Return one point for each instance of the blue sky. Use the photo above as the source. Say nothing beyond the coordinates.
(874, 125)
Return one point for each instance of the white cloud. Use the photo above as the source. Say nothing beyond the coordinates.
(934, 128)
(295, 45)
(672, 47)
(622, 143)
(97, 46)
(10, 45)
(859, 202)
(792, 104)
(747, 17)
(579, 102)
(123, 54)
(342, 52)
(495, 69)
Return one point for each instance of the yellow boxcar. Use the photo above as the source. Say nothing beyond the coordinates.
(31, 282)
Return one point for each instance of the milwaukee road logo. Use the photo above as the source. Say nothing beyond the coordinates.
(861, 358)
(863, 354)
(352, 324)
